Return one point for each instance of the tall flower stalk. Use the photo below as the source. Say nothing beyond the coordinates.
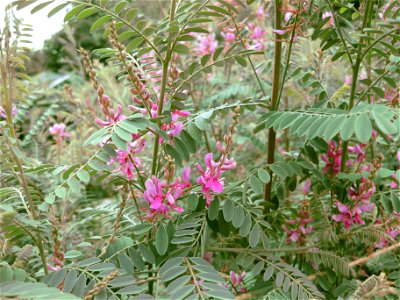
(165, 63)
(274, 100)
(355, 70)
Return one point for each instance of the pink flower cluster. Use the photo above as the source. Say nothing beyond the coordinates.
(392, 231)
(58, 132)
(206, 44)
(127, 159)
(332, 159)
(141, 96)
(361, 195)
(256, 36)
(175, 127)
(237, 280)
(210, 178)
(112, 116)
(357, 149)
(162, 195)
(299, 228)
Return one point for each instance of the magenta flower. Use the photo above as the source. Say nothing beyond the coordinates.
(206, 44)
(361, 195)
(112, 116)
(307, 186)
(357, 149)
(298, 229)
(260, 12)
(229, 38)
(175, 127)
(58, 132)
(237, 279)
(280, 31)
(162, 195)
(329, 15)
(288, 16)
(127, 159)
(332, 159)
(256, 37)
(210, 179)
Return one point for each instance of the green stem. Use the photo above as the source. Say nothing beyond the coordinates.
(356, 69)
(274, 101)
(164, 78)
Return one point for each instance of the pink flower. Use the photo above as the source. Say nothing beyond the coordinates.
(280, 31)
(162, 195)
(58, 132)
(260, 12)
(236, 279)
(229, 38)
(347, 80)
(331, 21)
(358, 150)
(112, 116)
(256, 36)
(288, 16)
(208, 256)
(127, 159)
(175, 127)
(332, 159)
(307, 186)
(206, 44)
(361, 195)
(299, 228)
(3, 114)
(210, 179)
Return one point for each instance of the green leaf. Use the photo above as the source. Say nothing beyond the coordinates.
(269, 272)
(348, 128)
(99, 22)
(56, 9)
(72, 254)
(238, 217)
(254, 236)
(136, 259)
(119, 143)
(228, 210)
(263, 175)
(256, 184)
(363, 128)
(86, 13)
(246, 226)
(384, 123)
(61, 192)
(213, 209)
(73, 12)
(83, 175)
(40, 6)
(278, 170)
(162, 240)
(147, 254)
(258, 267)
(279, 279)
(125, 262)
(70, 280)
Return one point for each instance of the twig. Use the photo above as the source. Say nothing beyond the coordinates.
(363, 260)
